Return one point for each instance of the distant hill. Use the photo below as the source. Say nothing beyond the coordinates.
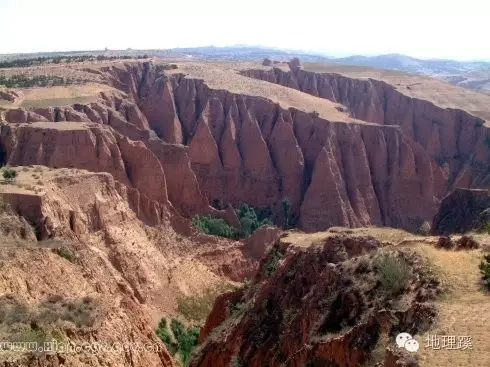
(247, 53)
(433, 67)
(468, 74)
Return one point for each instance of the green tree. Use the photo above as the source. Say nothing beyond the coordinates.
(252, 219)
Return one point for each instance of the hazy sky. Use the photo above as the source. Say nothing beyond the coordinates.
(420, 28)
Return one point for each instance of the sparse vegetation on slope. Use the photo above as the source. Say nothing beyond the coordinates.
(286, 207)
(197, 308)
(275, 255)
(306, 303)
(44, 321)
(66, 254)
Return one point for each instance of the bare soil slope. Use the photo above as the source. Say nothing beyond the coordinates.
(70, 235)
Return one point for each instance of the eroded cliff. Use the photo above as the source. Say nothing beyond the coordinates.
(321, 306)
(454, 140)
(115, 257)
(204, 145)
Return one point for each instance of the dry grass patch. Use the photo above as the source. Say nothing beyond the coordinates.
(384, 235)
(464, 311)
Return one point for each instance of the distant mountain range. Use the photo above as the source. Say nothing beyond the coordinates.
(469, 74)
(251, 53)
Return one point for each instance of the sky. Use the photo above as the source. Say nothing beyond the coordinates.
(420, 28)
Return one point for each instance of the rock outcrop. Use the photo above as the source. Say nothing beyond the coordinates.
(318, 306)
(259, 243)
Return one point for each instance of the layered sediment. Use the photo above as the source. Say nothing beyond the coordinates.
(202, 145)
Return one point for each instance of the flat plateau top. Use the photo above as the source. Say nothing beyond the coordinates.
(225, 76)
(439, 92)
(61, 125)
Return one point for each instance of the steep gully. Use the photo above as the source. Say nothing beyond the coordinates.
(203, 145)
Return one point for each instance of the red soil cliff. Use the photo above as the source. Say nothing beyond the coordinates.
(241, 148)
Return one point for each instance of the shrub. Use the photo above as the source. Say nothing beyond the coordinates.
(214, 226)
(485, 271)
(467, 243)
(445, 242)
(486, 227)
(9, 175)
(275, 255)
(79, 312)
(22, 81)
(250, 219)
(186, 339)
(46, 314)
(65, 253)
(64, 59)
(393, 273)
(217, 204)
